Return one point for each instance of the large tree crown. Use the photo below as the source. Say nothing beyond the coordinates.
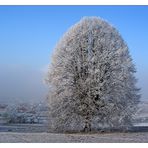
(91, 76)
(94, 26)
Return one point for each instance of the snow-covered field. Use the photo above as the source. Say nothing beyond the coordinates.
(72, 138)
(37, 133)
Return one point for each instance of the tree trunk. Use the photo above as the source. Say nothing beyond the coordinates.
(87, 127)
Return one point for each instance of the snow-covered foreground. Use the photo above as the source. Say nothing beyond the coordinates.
(11, 137)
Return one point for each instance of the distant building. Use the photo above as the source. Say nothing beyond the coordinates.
(3, 118)
(24, 113)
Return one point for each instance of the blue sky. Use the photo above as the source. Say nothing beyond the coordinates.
(28, 35)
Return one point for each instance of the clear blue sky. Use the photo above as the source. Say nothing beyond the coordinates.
(28, 35)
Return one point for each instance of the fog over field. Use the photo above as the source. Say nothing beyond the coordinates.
(22, 83)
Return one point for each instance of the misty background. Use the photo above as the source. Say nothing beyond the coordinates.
(28, 35)
(22, 84)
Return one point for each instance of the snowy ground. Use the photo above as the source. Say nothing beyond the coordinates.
(36, 133)
(11, 137)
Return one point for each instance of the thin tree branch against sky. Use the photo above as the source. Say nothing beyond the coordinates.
(28, 35)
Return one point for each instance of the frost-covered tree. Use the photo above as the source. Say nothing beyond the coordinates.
(91, 79)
